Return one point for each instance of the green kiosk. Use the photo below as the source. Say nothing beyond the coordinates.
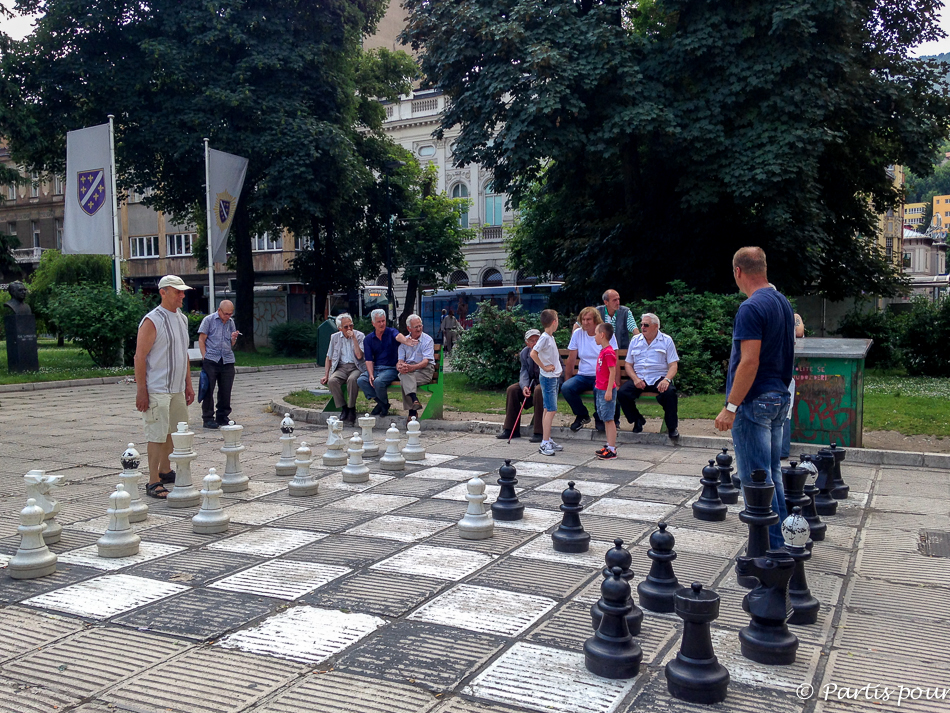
(829, 391)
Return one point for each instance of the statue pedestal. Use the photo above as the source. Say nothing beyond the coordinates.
(21, 343)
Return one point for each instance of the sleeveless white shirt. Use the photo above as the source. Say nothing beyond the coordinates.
(166, 365)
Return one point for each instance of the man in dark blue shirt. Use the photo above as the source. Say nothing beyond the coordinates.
(380, 348)
(763, 351)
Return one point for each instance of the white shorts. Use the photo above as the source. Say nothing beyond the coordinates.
(164, 413)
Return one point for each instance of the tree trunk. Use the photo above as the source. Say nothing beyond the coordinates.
(412, 286)
(244, 292)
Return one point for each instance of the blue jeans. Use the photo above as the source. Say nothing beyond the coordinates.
(757, 436)
(572, 389)
(382, 378)
(605, 409)
(548, 393)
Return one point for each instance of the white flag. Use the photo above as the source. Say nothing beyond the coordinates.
(87, 220)
(225, 180)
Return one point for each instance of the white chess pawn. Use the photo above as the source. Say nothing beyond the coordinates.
(334, 455)
(39, 486)
(285, 466)
(367, 424)
(184, 494)
(233, 480)
(414, 449)
(392, 459)
(211, 518)
(477, 523)
(355, 471)
(120, 539)
(303, 483)
(33, 559)
(131, 477)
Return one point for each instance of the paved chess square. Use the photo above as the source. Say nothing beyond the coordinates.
(458, 492)
(490, 611)
(437, 562)
(587, 487)
(541, 548)
(548, 579)
(99, 525)
(255, 489)
(89, 556)
(375, 592)
(337, 691)
(266, 542)
(439, 473)
(334, 481)
(676, 482)
(282, 579)
(260, 513)
(106, 596)
(195, 568)
(403, 529)
(541, 470)
(533, 520)
(371, 502)
(631, 509)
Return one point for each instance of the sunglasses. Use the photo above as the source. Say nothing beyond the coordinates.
(645, 325)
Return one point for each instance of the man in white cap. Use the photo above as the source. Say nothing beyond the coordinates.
(163, 379)
(528, 387)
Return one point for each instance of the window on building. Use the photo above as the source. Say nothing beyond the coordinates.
(907, 260)
(265, 243)
(889, 247)
(11, 229)
(59, 233)
(459, 278)
(494, 206)
(35, 184)
(35, 232)
(11, 192)
(144, 246)
(302, 243)
(58, 185)
(524, 278)
(492, 278)
(426, 151)
(461, 191)
(179, 244)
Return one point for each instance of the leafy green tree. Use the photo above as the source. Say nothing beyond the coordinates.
(58, 270)
(657, 136)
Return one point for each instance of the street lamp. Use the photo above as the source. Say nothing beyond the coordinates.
(388, 168)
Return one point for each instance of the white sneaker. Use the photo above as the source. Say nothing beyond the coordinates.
(557, 446)
(546, 449)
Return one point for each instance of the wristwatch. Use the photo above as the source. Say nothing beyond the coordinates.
(731, 408)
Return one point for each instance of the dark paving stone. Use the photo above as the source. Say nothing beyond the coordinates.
(347, 550)
(200, 613)
(183, 534)
(16, 590)
(412, 487)
(438, 509)
(325, 519)
(603, 475)
(194, 568)
(546, 500)
(568, 628)
(502, 541)
(377, 593)
(72, 540)
(324, 497)
(547, 579)
(607, 529)
(654, 495)
(488, 465)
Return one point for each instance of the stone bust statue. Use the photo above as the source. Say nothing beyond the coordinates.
(17, 299)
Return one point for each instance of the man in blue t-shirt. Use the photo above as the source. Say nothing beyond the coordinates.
(763, 351)
(380, 348)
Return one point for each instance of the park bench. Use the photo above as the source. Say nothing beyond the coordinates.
(435, 389)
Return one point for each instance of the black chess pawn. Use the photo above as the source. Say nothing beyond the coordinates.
(710, 507)
(795, 532)
(840, 489)
(570, 536)
(824, 503)
(611, 652)
(696, 675)
(658, 591)
(728, 492)
(507, 507)
(794, 477)
(617, 556)
(817, 527)
(767, 639)
(758, 515)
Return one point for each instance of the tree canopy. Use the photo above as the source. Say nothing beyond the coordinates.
(646, 141)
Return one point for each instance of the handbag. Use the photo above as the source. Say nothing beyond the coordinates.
(203, 383)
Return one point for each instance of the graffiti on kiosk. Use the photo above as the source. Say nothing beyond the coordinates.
(820, 408)
(268, 311)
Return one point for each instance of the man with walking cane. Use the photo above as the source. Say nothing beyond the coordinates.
(519, 395)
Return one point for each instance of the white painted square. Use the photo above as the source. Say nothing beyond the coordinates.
(675, 482)
(89, 556)
(106, 596)
(282, 579)
(403, 529)
(490, 611)
(446, 474)
(433, 459)
(587, 487)
(458, 492)
(545, 679)
(706, 543)
(99, 525)
(257, 490)
(369, 502)
(437, 562)
(541, 470)
(631, 509)
(542, 548)
(534, 520)
(260, 513)
(334, 481)
(306, 634)
(266, 542)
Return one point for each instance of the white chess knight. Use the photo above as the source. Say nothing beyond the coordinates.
(285, 466)
(131, 478)
(477, 524)
(334, 454)
(233, 480)
(414, 449)
(304, 483)
(120, 539)
(392, 459)
(33, 558)
(184, 494)
(367, 424)
(355, 471)
(211, 518)
(39, 486)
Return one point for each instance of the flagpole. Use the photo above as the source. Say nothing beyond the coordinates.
(115, 210)
(211, 304)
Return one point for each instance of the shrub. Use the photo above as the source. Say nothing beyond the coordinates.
(363, 324)
(194, 321)
(294, 339)
(866, 322)
(926, 333)
(98, 320)
(488, 351)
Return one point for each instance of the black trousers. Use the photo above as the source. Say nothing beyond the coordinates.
(627, 401)
(514, 397)
(223, 375)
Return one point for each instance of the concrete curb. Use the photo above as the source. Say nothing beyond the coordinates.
(863, 456)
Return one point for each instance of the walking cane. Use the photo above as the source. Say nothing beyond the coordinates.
(523, 404)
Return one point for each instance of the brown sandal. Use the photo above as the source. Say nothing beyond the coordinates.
(156, 490)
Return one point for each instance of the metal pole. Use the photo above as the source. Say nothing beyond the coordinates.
(115, 211)
(211, 305)
(389, 250)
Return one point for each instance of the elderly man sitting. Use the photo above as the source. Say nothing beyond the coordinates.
(528, 387)
(651, 364)
(416, 365)
(380, 349)
(344, 365)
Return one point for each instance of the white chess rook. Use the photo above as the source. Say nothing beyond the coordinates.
(477, 523)
(211, 518)
(334, 455)
(392, 459)
(131, 478)
(184, 494)
(355, 471)
(33, 559)
(414, 449)
(303, 484)
(120, 539)
(39, 486)
(233, 480)
(370, 447)
(285, 466)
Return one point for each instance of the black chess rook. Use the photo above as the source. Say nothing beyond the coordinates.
(767, 639)
(696, 675)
